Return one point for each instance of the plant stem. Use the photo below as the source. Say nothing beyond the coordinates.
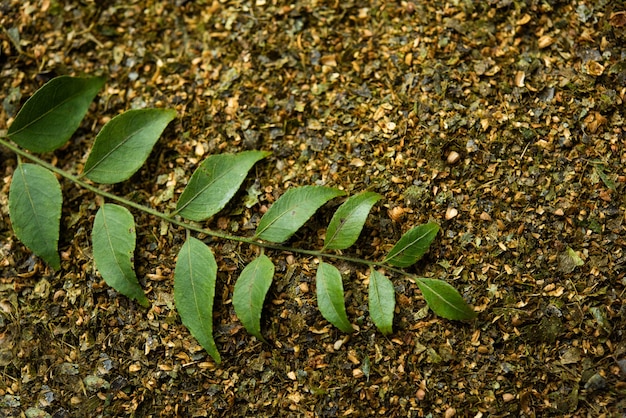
(185, 225)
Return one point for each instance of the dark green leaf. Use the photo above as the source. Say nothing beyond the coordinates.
(382, 302)
(124, 143)
(113, 239)
(194, 290)
(330, 297)
(50, 117)
(292, 210)
(214, 183)
(35, 202)
(250, 291)
(412, 245)
(347, 222)
(444, 300)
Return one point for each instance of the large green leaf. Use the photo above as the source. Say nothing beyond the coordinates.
(412, 245)
(214, 183)
(347, 222)
(382, 302)
(124, 143)
(330, 300)
(113, 238)
(50, 117)
(194, 290)
(444, 300)
(35, 202)
(292, 210)
(250, 291)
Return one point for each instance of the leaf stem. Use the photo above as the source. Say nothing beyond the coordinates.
(166, 217)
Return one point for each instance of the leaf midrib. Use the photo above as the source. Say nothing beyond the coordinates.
(46, 113)
(203, 189)
(113, 150)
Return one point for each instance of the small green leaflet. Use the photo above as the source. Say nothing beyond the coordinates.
(292, 210)
(412, 245)
(194, 290)
(608, 182)
(575, 258)
(382, 302)
(444, 300)
(50, 117)
(113, 238)
(214, 183)
(249, 294)
(347, 222)
(35, 202)
(124, 143)
(330, 300)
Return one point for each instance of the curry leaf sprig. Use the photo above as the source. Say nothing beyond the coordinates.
(52, 115)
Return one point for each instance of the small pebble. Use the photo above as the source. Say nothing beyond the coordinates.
(338, 344)
(596, 382)
(508, 397)
(451, 213)
(420, 395)
(453, 157)
(622, 367)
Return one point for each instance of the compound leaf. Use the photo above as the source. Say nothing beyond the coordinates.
(382, 302)
(124, 143)
(194, 290)
(330, 300)
(444, 300)
(412, 245)
(250, 291)
(347, 222)
(214, 183)
(50, 117)
(35, 202)
(292, 210)
(113, 238)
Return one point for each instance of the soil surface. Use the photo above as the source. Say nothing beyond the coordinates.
(502, 120)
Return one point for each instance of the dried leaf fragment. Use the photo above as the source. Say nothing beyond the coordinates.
(594, 68)
(520, 76)
(593, 121)
(545, 41)
(523, 20)
(618, 19)
(329, 60)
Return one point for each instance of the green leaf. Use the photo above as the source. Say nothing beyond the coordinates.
(444, 300)
(382, 302)
(292, 210)
(347, 222)
(575, 258)
(330, 297)
(214, 183)
(50, 117)
(412, 245)
(113, 238)
(250, 291)
(124, 143)
(194, 290)
(35, 202)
